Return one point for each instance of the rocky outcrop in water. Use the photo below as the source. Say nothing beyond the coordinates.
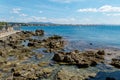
(16, 58)
(39, 32)
(55, 43)
(13, 55)
(115, 62)
(19, 62)
(81, 59)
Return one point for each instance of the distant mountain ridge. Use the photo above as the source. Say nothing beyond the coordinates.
(40, 23)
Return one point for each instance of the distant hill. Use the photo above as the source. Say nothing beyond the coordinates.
(40, 23)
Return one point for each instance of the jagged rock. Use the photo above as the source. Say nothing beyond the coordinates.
(59, 57)
(39, 32)
(101, 52)
(115, 62)
(82, 60)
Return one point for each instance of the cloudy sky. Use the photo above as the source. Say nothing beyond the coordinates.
(61, 11)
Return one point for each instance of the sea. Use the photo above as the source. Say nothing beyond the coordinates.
(82, 38)
(97, 36)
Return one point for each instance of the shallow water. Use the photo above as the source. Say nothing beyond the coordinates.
(82, 37)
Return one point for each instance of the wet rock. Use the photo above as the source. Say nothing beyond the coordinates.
(59, 57)
(82, 60)
(68, 59)
(101, 52)
(54, 45)
(115, 62)
(56, 37)
(39, 32)
(83, 65)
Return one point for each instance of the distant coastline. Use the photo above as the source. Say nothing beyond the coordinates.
(54, 24)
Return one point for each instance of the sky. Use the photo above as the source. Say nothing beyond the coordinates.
(61, 11)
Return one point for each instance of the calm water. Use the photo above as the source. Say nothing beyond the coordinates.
(80, 37)
(98, 35)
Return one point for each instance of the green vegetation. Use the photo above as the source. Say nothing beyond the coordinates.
(2, 24)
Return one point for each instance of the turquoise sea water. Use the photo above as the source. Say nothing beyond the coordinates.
(97, 35)
(80, 37)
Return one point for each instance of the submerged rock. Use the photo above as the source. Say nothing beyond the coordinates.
(106, 76)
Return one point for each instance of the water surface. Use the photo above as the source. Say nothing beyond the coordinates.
(97, 35)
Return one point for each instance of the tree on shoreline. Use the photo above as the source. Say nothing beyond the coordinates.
(3, 24)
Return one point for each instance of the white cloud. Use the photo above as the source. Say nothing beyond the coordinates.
(113, 14)
(24, 15)
(43, 19)
(105, 8)
(88, 10)
(54, 20)
(16, 10)
(65, 1)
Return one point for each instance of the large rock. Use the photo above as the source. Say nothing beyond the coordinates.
(53, 43)
(39, 32)
(82, 60)
(59, 57)
(115, 62)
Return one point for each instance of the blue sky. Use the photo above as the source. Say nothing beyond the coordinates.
(61, 11)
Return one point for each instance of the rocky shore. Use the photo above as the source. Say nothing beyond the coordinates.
(19, 61)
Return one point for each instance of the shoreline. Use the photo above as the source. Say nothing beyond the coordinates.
(17, 58)
(7, 33)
